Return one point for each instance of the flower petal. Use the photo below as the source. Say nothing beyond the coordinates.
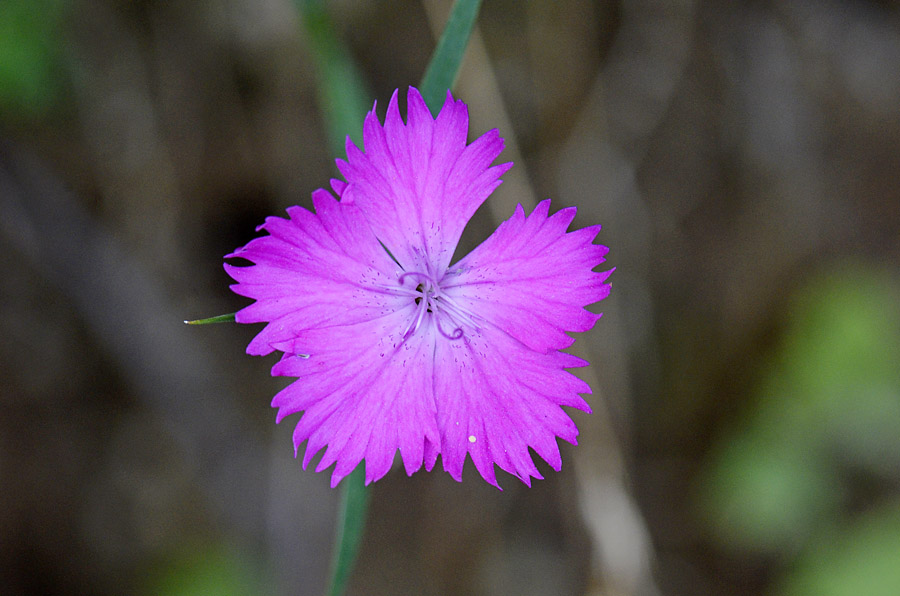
(532, 279)
(496, 398)
(365, 394)
(419, 183)
(314, 270)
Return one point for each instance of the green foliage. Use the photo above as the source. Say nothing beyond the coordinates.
(343, 95)
(767, 492)
(30, 51)
(863, 558)
(229, 318)
(828, 404)
(350, 526)
(204, 570)
(447, 58)
(843, 358)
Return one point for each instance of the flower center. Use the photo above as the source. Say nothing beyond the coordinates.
(434, 303)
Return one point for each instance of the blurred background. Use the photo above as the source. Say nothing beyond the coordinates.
(741, 156)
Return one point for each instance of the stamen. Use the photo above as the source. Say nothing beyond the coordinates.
(462, 315)
(413, 327)
(430, 299)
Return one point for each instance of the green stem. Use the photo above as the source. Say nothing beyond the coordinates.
(351, 523)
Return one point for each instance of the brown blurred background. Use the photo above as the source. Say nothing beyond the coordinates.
(743, 158)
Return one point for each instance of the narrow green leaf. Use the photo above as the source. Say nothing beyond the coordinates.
(351, 523)
(343, 96)
(444, 66)
(229, 318)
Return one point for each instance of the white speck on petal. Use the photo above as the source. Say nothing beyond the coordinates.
(471, 438)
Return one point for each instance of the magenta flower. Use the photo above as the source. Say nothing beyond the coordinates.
(396, 349)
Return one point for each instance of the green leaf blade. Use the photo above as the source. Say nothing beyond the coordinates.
(447, 59)
(229, 318)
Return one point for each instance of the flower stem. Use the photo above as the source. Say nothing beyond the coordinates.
(351, 522)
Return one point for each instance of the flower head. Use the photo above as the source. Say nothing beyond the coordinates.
(393, 347)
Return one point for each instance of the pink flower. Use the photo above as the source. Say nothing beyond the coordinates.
(393, 347)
